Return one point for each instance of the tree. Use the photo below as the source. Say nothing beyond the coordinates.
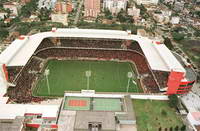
(108, 14)
(178, 36)
(168, 43)
(173, 101)
(28, 8)
(121, 16)
(23, 29)
(44, 14)
(183, 128)
(176, 128)
(197, 33)
(3, 33)
(164, 113)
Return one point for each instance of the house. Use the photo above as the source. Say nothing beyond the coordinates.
(2, 15)
(13, 7)
(175, 20)
(59, 17)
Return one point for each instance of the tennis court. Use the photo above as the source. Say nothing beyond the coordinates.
(107, 104)
(77, 103)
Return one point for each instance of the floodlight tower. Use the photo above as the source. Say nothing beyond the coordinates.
(88, 75)
(129, 75)
(46, 73)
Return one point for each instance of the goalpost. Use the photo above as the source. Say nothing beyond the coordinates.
(46, 73)
(88, 75)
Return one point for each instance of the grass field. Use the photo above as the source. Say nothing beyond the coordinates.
(69, 75)
(151, 115)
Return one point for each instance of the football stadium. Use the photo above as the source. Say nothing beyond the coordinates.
(50, 63)
(97, 72)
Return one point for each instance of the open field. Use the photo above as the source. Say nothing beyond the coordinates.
(152, 115)
(70, 75)
(192, 49)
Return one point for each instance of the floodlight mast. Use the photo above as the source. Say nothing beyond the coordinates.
(47, 72)
(88, 75)
(129, 75)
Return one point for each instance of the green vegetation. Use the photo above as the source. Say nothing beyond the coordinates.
(178, 36)
(3, 33)
(24, 27)
(192, 49)
(168, 43)
(124, 27)
(173, 101)
(143, 11)
(108, 14)
(69, 75)
(155, 116)
(123, 17)
(197, 13)
(29, 8)
(44, 14)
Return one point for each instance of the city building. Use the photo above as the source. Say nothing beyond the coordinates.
(141, 32)
(160, 18)
(59, 17)
(115, 5)
(63, 7)
(169, 1)
(3, 14)
(14, 117)
(92, 8)
(178, 6)
(13, 7)
(25, 1)
(147, 2)
(192, 103)
(49, 4)
(135, 13)
(175, 20)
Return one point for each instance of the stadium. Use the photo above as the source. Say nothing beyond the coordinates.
(49, 64)
(109, 55)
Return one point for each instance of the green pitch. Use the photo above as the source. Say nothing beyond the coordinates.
(69, 75)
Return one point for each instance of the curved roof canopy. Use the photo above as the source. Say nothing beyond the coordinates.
(158, 55)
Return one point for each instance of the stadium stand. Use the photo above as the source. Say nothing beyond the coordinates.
(162, 77)
(22, 92)
(13, 72)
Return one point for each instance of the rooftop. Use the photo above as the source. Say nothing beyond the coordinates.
(83, 118)
(12, 125)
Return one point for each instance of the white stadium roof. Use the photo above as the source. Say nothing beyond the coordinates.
(158, 55)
